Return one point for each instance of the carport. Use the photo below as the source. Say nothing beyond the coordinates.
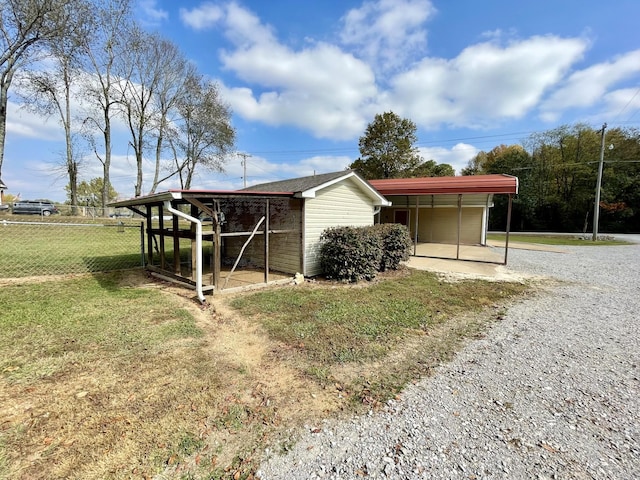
(448, 216)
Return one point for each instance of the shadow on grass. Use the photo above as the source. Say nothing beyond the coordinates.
(101, 266)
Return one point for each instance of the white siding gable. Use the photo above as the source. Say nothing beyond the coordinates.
(339, 205)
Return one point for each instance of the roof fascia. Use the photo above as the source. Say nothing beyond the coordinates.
(365, 186)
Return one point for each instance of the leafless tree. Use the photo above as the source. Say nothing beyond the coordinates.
(102, 93)
(48, 92)
(204, 135)
(172, 87)
(155, 72)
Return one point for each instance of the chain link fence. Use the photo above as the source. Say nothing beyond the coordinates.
(32, 245)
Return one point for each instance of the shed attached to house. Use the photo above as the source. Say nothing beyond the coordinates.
(275, 227)
(329, 200)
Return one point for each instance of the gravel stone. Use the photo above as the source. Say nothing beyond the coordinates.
(552, 391)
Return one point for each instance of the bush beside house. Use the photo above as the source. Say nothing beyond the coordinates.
(359, 253)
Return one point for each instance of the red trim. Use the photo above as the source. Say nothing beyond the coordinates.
(447, 185)
(231, 192)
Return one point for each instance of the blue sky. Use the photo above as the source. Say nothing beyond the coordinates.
(304, 79)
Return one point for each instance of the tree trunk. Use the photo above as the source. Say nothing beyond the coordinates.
(5, 82)
(106, 165)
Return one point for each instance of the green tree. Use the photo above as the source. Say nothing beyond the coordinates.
(90, 194)
(557, 177)
(387, 148)
(431, 168)
(510, 160)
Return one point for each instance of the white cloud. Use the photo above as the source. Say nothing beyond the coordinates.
(152, 15)
(320, 88)
(588, 87)
(623, 104)
(487, 82)
(458, 156)
(387, 32)
(21, 122)
(202, 17)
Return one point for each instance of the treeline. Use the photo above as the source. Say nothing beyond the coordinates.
(88, 64)
(557, 172)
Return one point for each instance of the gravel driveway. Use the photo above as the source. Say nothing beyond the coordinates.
(552, 391)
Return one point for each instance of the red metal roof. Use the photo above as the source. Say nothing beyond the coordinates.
(447, 185)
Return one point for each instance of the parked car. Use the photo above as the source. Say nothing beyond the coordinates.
(122, 214)
(34, 207)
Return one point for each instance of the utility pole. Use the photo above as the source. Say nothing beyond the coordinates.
(244, 165)
(596, 207)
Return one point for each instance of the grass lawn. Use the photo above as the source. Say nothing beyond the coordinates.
(577, 240)
(114, 376)
(43, 247)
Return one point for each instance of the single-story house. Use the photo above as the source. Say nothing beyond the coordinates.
(449, 210)
(274, 227)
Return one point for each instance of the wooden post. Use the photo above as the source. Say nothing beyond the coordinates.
(176, 246)
(217, 252)
(267, 226)
(149, 235)
(194, 245)
(162, 249)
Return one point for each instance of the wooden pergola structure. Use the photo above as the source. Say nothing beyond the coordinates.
(262, 229)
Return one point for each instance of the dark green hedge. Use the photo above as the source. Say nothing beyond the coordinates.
(396, 245)
(359, 253)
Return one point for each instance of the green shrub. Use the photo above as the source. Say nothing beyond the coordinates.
(396, 244)
(350, 253)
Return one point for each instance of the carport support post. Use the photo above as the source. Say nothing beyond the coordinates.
(508, 229)
(459, 226)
